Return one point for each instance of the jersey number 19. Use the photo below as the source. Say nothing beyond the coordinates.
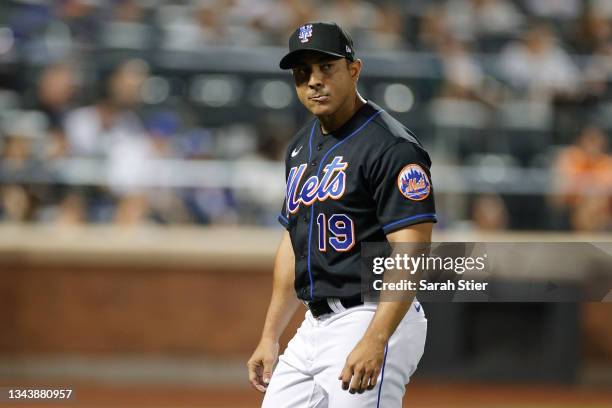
(341, 229)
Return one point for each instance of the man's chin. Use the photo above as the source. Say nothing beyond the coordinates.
(321, 109)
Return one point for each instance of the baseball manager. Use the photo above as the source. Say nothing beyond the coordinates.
(354, 174)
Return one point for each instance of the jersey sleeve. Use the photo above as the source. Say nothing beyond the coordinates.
(282, 216)
(402, 187)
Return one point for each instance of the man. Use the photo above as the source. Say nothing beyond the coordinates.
(354, 174)
(110, 129)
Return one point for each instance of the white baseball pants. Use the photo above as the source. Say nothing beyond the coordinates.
(307, 372)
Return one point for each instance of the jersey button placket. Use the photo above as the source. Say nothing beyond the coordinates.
(314, 162)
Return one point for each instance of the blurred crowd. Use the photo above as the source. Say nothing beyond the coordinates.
(582, 25)
(541, 68)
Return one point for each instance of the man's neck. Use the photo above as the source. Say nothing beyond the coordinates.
(337, 119)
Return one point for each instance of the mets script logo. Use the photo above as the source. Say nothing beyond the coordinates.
(331, 185)
(305, 33)
(413, 182)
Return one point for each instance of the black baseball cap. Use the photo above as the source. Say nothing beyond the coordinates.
(326, 38)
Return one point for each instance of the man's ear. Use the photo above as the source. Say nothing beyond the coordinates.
(355, 69)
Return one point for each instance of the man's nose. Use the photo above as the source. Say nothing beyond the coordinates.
(315, 80)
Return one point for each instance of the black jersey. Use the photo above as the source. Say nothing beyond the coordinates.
(356, 184)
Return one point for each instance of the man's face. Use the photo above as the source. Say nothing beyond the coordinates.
(324, 83)
(126, 83)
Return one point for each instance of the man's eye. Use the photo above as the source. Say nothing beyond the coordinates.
(326, 67)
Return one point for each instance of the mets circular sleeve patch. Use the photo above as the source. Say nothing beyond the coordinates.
(413, 182)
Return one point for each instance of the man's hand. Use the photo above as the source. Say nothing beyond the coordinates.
(282, 307)
(261, 364)
(363, 365)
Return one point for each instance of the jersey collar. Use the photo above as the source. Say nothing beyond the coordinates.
(353, 123)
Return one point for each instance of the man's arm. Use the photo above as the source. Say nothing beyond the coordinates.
(365, 361)
(283, 305)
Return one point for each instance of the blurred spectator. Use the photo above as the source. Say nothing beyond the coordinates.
(486, 21)
(23, 133)
(462, 75)
(355, 16)
(211, 205)
(594, 32)
(7, 45)
(197, 24)
(110, 130)
(602, 8)
(593, 214)
(372, 26)
(458, 113)
(470, 19)
(538, 65)
(127, 28)
(163, 128)
(165, 203)
(55, 92)
(598, 72)
(273, 134)
(28, 22)
(388, 32)
(280, 17)
(583, 177)
(260, 203)
(93, 130)
(203, 23)
(83, 20)
(245, 22)
(489, 213)
(433, 30)
(54, 97)
(49, 31)
(557, 9)
(197, 144)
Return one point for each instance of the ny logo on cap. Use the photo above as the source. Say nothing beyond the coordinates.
(305, 33)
